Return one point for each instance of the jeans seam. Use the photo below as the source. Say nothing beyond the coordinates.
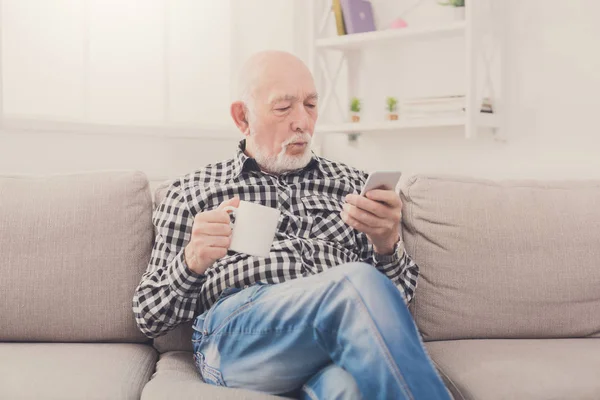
(382, 346)
(230, 316)
(234, 313)
(214, 374)
(243, 308)
(270, 331)
(426, 352)
(310, 392)
(438, 367)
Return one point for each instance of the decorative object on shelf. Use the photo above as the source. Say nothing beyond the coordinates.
(355, 109)
(398, 23)
(454, 3)
(392, 108)
(486, 106)
(459, 8)
(339, 17)
(358, 16)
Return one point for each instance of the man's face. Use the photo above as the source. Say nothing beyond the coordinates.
(282, 120)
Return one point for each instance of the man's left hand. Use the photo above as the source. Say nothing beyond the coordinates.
(377, 215)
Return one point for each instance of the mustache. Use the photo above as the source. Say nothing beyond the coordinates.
(298, 137)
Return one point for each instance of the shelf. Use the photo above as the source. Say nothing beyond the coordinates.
(408, 123)
(488, 120)
(358, 40)
(483, 34)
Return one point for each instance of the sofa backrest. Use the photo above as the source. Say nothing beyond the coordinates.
(513, 259)
(72, 250)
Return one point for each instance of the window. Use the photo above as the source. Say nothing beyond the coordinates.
(116, 62)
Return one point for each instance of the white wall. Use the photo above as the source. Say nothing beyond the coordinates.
(117, 61)
(182, 95)
(160, 158)
(111, 84)
(553, 70)
(554, 78)
(267, 25)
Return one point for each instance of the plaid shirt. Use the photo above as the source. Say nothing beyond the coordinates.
(311, 237)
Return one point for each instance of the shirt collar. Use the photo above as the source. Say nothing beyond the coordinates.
(243, 163)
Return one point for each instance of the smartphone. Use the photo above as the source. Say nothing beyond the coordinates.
(381, 180)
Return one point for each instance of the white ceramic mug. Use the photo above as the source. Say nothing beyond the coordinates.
(254, 228)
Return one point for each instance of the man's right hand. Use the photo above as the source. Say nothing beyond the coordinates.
(211, 236)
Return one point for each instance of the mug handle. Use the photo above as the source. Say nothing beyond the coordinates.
(233, 211)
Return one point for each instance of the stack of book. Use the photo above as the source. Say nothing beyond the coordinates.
(442, 106)
(353, 16)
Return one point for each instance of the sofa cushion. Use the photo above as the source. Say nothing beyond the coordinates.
(543, 369)
(178, 339)
(176, 378)
(513, 259)
(74, 370)
(73, 247)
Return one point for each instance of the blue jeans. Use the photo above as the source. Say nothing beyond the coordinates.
(340, 334)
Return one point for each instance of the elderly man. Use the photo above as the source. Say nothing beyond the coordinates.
(324, 316)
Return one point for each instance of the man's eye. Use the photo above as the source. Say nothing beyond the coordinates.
(311, 105)
(283, 109)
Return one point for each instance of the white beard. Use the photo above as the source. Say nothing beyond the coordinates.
(282, 162)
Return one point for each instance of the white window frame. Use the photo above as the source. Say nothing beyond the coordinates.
(84, 127)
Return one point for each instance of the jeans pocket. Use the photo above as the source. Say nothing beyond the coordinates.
(198, 328)
(209, 374)
(255, 290)
(227, 292)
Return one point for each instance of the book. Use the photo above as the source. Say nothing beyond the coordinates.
(339, 17)
(358, 16)
(435, 99)
(433, 106)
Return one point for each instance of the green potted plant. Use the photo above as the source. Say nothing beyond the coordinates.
(392, 108)
(458, 6)
(355, 106)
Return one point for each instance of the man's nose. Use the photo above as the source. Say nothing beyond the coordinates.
(300, 120)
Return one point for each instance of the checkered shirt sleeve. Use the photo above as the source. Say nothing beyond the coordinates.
(168, 292)
(403, 271)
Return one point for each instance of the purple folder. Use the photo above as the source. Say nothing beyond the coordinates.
(358, 16)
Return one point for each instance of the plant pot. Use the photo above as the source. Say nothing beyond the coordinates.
(355, 118)
(392, 117)
(459, 13)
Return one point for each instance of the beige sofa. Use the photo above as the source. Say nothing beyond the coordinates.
(508, 301)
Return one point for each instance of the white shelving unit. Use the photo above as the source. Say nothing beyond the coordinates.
(360, 40)
(483, 34)
(402, 123)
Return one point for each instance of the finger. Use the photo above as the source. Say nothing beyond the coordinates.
(214, 253)
(234, 202)
(364, 217)
(378, 209)
(388, 197)
(215, 216)
(216, 241)
(212, 229)
(354, 223)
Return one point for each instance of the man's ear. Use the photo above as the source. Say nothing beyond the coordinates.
(239, 115)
